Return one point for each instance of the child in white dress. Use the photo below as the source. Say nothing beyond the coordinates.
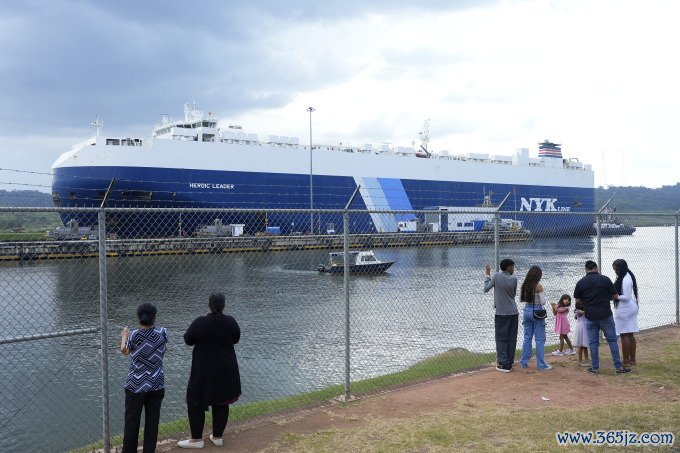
(581, 336)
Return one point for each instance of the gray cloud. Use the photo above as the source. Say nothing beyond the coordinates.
(64, 61)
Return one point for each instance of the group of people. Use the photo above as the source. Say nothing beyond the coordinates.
(593, 314)
(214, 380)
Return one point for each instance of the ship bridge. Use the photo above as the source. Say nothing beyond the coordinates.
(196, 126)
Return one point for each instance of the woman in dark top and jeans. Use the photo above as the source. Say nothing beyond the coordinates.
(214, 380)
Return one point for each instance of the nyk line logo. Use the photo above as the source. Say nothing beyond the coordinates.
(542, 204)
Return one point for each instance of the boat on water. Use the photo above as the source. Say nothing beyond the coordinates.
(610, 225)
(199, 161)
(359, 261)
(614, 229)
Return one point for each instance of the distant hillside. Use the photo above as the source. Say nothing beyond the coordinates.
(25, 198)
(33, 221)
(641, 199)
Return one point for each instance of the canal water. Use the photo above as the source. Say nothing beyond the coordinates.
(292, 320)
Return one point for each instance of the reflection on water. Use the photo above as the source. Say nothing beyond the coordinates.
(292, 319)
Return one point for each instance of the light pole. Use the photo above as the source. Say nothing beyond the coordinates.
(311, 173)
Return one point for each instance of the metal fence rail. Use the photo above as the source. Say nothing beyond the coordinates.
(302, 330)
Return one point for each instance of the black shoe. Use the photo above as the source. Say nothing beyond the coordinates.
(508, 367)
(595, 371)
(623, 370)
(503, 368)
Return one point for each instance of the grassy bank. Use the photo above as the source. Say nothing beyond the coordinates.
(9, 236)
(488, 427)
(482, 425)
(445, 364)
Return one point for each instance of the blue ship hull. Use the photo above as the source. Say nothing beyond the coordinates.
(166, 187)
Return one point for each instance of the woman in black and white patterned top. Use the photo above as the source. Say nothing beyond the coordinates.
(145, 383)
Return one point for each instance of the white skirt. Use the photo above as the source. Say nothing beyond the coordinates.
(626, 317)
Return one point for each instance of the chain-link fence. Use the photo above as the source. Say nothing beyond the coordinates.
(330, 303)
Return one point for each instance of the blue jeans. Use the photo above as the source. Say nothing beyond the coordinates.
(533, 328)
(608, 327)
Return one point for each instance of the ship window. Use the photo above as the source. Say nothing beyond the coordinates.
(112, 141)
(208, 137)
(101, 194)
(56, 201)
(469, 224)
(367, 258)
(71, 195)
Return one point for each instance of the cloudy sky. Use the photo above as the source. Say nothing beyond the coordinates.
(600, 77)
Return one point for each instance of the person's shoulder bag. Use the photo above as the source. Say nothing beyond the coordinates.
(540, 313)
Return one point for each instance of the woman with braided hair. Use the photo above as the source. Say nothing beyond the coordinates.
(626, 310)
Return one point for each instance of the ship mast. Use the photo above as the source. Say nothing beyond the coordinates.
(97, 123)
(425, 137)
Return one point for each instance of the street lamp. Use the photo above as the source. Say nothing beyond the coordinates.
(311, 173)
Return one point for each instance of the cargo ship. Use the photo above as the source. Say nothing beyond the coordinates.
(200, 162)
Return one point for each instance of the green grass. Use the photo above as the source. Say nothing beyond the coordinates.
(7, 236)
(441, 365)
(664, 371)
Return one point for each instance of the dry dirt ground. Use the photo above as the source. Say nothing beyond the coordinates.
(524, 388)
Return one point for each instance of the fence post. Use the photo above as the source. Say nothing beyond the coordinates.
(496, 231)
(598, 227)
(598, 240)
(496, 240)
(677, 272)
(345, 249)
(103, 314)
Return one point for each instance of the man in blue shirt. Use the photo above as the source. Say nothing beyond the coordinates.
(506, 319)
(594, 292)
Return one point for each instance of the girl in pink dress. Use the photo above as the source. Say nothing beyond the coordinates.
(562, 327)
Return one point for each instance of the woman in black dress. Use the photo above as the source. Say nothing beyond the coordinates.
(214, 379)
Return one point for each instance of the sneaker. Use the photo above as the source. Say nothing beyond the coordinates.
(557, 353)
(548, 367)
(503, 369)
(218, 441)
(570, 352)
(623, 370)
(583, 364)
(188, 443)
(593, 371)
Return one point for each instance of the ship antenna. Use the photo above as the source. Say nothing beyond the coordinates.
(97, 123)
(425, 136)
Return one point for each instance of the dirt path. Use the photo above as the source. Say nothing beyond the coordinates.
(522, 388)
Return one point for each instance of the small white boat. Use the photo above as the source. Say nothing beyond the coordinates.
(359, 261)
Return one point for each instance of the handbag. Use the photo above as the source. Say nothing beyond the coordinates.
(540, 313)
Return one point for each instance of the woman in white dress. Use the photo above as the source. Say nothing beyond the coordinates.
(626, 310)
